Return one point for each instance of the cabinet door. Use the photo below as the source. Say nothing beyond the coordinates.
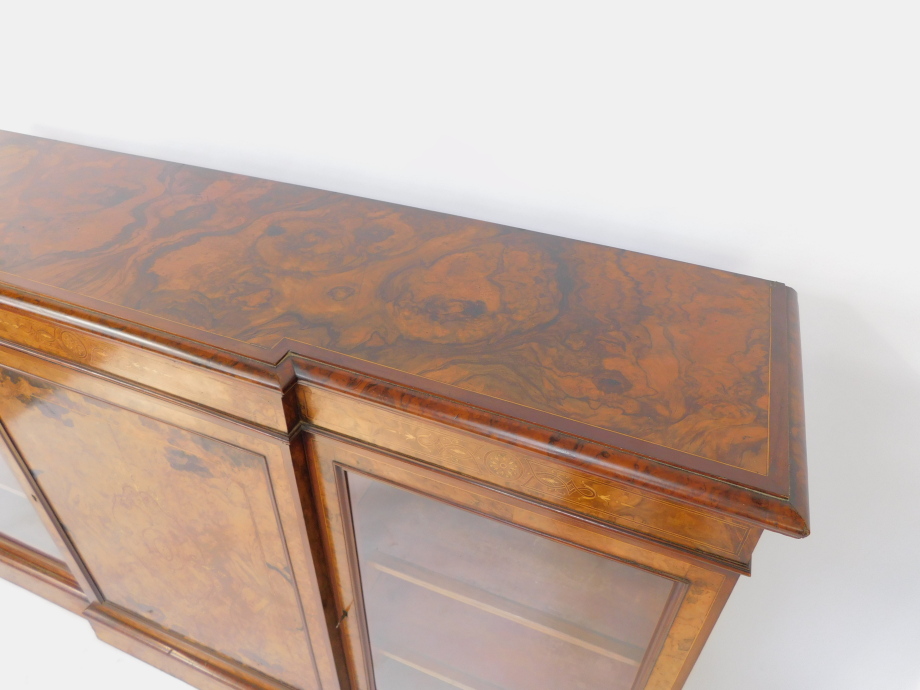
(19, 517)
(445, 584)
(187, 523)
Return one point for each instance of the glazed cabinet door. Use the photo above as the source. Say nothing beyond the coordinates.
(184, 528)
(20, 519)
(445, 584)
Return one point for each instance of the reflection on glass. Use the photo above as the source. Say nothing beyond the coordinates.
(18, 518)
(457, 600)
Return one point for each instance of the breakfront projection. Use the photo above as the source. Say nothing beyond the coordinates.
(266, 436)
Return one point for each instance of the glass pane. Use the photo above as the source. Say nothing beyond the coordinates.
(18, 518)
(457, 600)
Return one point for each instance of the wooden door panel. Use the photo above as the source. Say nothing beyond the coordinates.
(173, 525)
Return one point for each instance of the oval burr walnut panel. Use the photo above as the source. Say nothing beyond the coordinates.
(172, 525)
(682, 362)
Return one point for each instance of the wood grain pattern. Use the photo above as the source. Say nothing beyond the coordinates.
(798, 485)
(566, 450)
(527, 473)
(192, 364)
(200, 667)
(669, 353)
(242, 399)
(174, 526)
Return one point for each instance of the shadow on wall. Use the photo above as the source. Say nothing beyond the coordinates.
(841, 609)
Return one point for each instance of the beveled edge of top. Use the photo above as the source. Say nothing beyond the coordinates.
(776, 501)
(783, 508)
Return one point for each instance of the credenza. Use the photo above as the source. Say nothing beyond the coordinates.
(267, 436)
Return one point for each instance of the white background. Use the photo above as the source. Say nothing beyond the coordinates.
(778, 139)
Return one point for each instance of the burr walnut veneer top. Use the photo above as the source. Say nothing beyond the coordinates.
(681, 363)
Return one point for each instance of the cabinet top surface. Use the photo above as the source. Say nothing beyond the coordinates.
(673, 356)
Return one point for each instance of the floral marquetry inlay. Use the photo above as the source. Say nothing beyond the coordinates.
(140, 366)
(503, 464)
(523, 472)
(50, 338)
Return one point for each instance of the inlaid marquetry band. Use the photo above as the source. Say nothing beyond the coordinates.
(524, 472)
(238, 398)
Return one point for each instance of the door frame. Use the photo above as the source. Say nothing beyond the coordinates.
(699, 593)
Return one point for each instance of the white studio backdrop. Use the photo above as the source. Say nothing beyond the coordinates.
(780, 140)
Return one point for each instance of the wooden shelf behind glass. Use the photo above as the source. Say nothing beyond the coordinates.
(457, 600)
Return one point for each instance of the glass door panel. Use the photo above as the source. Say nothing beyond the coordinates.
(18, 518)
(457, 600)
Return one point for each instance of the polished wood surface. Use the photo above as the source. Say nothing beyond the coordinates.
(187, 520)
(197, 665)
(668, 354)
(174, 526)
(251, 394)
(41, 574)
(530, 474)
(253, 417)
(240, 398)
